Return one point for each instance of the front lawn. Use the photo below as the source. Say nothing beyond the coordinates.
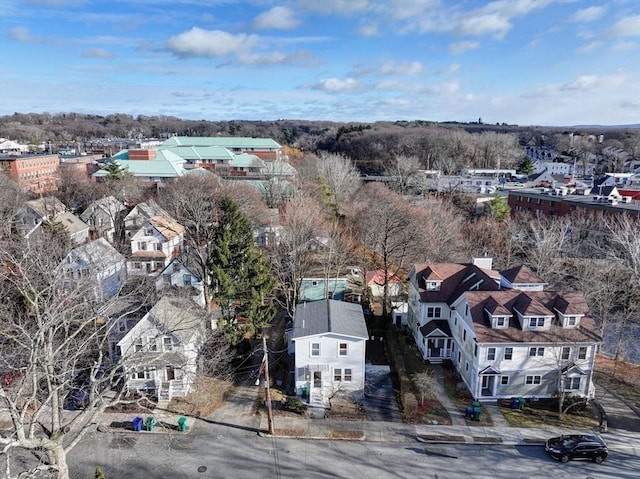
(544, 412)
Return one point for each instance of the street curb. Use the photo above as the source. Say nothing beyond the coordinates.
(312, 438)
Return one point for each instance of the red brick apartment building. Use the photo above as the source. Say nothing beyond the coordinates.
(563, 201)
(35, 173)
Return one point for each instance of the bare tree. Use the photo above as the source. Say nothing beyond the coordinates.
(403, 170)
(389, 229)
(339, 180)
(426, 384)
(54, 344)
(11, 198)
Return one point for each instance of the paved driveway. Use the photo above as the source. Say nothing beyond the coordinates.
(380, 401)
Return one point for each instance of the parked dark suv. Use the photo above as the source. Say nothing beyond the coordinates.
(577, 446)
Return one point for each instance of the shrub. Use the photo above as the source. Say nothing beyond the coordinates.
(294, 404)
(410, 404)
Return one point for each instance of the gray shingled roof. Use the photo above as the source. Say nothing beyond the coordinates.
(329, 316)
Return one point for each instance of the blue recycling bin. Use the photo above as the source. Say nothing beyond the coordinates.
(515, 403)
(468, 412)
(137, 423)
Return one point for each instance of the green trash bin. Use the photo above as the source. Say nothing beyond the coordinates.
(476, 410)
(521, 403)
(150, 423)
(182, 424)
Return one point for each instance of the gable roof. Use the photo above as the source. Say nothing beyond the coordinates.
(166, 226)
(179, 316)
(521, 274)
(456, 278)
(108, 204)
(329, 316)
(147, 209)
(432, 326)
(377, 277)
(98, 254)
(47, 207)
(71, 222)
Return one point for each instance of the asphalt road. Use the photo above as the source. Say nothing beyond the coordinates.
(215, 451)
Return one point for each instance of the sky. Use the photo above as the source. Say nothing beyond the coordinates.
(525, 62)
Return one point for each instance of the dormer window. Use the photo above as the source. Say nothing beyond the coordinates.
(432, 285)
(536, 322)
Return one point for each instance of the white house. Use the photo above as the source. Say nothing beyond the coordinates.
(375, 283)
(99, 264)
(104, 216)
(160, 352)
(139, 215)
(179, 274)
(159, 240)
(504, 333)
(329, 341)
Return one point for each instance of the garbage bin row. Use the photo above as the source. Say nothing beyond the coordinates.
(517, 403)
(473, 411)
(150, 423)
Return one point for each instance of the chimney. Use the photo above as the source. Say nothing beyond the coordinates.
(484, 262)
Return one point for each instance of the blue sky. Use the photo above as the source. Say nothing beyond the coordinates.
(542, 62)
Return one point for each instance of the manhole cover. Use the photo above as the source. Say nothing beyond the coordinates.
(202, 469)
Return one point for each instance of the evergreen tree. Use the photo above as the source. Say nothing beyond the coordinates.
(114, 170)
(496, 208)
(526, 166)
(240, 276)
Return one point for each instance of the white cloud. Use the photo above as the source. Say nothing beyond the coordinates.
(627, 27)
(461, 47)
(451, 69)
(400, 68)
(340, 7)
(484, 24)
(624, 46)
(98, 53)
(337, 85)
(278, 18)
(592, 82)
(370, 30)
(587, 14)
(198, 42)
(589, 47)
(20, 34)
(514, 8)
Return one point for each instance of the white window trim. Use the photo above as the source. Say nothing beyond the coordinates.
(312, 349)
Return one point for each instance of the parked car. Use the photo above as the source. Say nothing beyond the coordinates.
(577, 446)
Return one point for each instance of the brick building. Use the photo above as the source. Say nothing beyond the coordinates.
(564, 201)
(35, 173)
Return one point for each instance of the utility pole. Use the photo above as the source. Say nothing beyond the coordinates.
(266, 378)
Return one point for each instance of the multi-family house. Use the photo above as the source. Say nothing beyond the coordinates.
(154, 245)
(98, 265)
(328, 341)
(180, 274)
(503, 340)
(34, 213)
(139, 215)
(104, 217)
(159, 353)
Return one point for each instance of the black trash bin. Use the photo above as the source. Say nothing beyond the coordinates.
(137, 423)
